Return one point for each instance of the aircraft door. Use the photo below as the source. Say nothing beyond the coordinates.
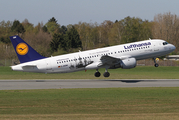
(48, 65)
(156, 47)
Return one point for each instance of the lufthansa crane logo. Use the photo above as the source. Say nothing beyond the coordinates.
(22, 48)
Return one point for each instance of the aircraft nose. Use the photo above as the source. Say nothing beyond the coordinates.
(173, 47)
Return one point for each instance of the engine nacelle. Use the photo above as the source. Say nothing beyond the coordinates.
(128, 63)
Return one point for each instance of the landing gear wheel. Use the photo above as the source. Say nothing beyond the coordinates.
(156, 65)
(106, 74)
(97, 74)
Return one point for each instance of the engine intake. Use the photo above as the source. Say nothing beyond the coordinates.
(128, 63)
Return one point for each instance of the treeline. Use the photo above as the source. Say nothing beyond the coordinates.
(52, 38)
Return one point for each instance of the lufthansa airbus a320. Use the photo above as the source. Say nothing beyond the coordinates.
(122, 56)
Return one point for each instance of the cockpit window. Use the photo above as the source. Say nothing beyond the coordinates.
(165, 43)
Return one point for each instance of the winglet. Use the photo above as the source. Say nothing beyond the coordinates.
(24, 51)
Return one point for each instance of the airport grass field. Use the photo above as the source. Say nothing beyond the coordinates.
(140, 72)
(159, 103)
(95, 104)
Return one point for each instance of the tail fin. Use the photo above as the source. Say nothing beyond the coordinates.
(24, 52)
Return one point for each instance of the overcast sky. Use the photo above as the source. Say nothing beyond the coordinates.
(74, 11)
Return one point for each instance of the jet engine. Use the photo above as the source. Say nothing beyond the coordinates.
(128, 63)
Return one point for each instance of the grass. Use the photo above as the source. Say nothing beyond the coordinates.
(102, 103)
(140, 72)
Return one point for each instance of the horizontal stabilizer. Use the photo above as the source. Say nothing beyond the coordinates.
(29, 67)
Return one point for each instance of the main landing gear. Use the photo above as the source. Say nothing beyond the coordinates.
(98, 74)
(156, 64)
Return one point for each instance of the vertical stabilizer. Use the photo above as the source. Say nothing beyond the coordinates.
(24, 52)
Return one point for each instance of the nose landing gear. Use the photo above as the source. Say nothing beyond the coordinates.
(156, 64)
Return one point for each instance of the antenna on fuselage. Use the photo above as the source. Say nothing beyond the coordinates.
(149, 39)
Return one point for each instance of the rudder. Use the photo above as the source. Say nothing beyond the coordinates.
(24, 51)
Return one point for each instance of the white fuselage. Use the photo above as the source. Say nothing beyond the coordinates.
(82, 60)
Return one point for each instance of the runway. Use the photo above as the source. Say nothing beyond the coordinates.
(61, 84)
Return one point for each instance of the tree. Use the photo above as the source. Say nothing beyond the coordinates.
(57, 42)
(63, 29)
(115, 34)
(166, 27)
(53, 20)
(105, 28)
(38, 28)
(5, 40)
(27, 25)
(134, 29)
(39, 41)
(17, 27)
(72, 38)
(52, 26)
(5, 27)
(44, 28)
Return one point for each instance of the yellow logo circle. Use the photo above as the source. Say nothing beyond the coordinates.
(22, 48)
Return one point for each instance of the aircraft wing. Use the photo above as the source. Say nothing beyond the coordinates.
(108, 60)
(111, 61)
(104, 61)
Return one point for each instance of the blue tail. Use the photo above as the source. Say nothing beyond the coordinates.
(24, 52)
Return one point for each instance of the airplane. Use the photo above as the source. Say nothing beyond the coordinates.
(123, 56)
